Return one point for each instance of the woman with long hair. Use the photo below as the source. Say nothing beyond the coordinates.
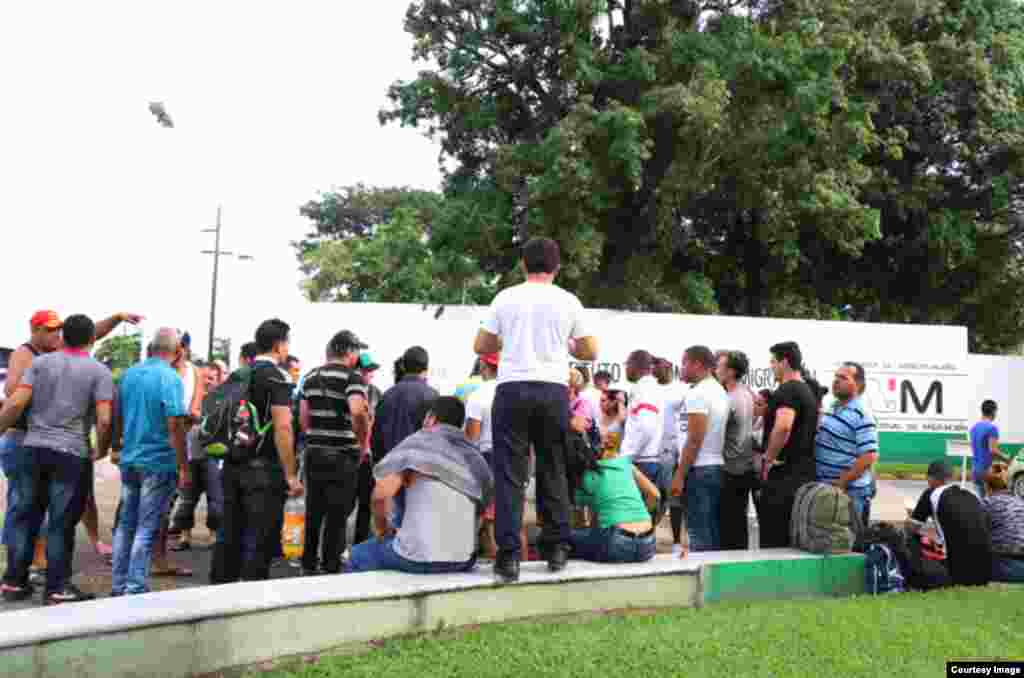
(614, 490)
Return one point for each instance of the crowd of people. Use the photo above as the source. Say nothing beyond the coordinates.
(436, 481)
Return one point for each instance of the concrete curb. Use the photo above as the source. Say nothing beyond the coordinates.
(193, 632)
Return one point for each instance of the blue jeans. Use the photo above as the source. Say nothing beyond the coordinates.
(612, 545)
(11, 455)
(379, 554)
(1009, 570)
(145, 497)
(52, 481)
(703, 507)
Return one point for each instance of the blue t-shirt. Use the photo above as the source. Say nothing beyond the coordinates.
(149, 394)
(981, 433)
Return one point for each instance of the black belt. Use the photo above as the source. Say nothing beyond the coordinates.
(632, 535)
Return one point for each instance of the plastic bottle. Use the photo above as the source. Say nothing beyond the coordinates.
(293, 535)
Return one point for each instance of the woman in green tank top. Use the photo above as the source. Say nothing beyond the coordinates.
(614, 490)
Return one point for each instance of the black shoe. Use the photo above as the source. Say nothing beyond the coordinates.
(16, 595)
(506, 568)
(69, 594)
(558, 558)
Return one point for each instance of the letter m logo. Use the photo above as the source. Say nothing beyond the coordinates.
(907, 393)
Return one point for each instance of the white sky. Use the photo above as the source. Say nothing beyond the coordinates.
(101, 209)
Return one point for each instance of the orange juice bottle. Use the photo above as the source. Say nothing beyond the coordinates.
(293, 535)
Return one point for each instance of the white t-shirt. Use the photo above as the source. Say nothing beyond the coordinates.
(645, 423)
(673, 395)
(478, 408)
(708, 397)
(535, 322)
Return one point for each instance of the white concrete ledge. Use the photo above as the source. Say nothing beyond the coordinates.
(202, 630)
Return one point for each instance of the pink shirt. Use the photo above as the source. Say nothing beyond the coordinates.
(581, 407)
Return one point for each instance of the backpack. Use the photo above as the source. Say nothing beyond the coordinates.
(823, 520)
(924, 571)
(882, 572)
(230, 426)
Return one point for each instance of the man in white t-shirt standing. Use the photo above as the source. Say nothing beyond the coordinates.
(536, 326)
(699, 476)
(645, 421)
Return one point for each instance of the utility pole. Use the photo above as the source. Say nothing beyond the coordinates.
(217, 253)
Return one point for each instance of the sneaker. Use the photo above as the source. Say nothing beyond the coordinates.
(69, 594)
(16, 594)
(558, 558)
(506, 569)
(677, 550)
(37, 577)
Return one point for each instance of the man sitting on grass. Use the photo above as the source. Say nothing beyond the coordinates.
(446, 484)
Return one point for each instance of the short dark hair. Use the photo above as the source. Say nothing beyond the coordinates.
(541, 255)
(641, 360)
(701, 354)
(663, 371)
(939, 470)
(603, 375)
(858, 372)
(270, 333)
(250, 350)
(448, 410)
(988, 408)
(79, 331)
(737, 362)
(790, 352)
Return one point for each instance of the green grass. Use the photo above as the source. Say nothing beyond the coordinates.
(906, 634)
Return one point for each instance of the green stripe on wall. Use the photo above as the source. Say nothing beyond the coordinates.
(838, 575)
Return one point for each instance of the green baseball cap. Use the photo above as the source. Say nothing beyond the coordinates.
(366, 361)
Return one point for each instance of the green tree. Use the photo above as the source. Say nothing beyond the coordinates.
(120, 352)
(394, 263)
(604, 120)
(759, 157)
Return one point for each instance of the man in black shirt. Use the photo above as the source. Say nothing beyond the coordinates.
(335, 418)
(791, 421)
(255, 490)
(963, 527)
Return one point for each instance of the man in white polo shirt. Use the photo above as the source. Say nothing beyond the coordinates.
(699, 475)
(536, 326)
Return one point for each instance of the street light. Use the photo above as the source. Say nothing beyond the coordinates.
(217, 253)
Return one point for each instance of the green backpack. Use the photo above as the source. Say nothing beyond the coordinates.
(824, 520)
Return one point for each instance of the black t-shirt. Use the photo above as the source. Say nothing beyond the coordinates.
(271, 386)
(326, 390)
(797, 396)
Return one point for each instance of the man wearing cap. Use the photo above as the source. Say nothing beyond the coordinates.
(45, 337)
(68, 391)
(962, 524)
(334, 415)
(368, 367)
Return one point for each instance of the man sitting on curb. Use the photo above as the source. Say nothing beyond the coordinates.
(447, 483)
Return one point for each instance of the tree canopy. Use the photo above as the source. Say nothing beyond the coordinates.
(757, 157)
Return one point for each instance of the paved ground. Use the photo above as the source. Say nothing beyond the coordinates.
(93, 575)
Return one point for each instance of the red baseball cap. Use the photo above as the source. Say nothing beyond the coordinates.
(48, 319)
(490, 358)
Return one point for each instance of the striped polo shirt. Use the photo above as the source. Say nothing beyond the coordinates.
(327, 389)
(844, 434)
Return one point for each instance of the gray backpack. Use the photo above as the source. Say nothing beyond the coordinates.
(824, 520)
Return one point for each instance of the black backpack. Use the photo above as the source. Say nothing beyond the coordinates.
(231, 426)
